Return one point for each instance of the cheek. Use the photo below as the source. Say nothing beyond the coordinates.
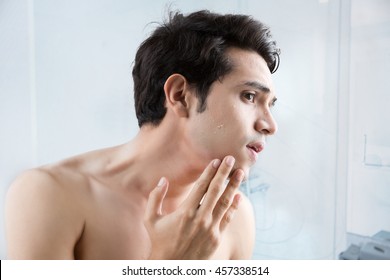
(235, 125)
(208, 135)
(201, 133)
(230, 132)
(219, 133)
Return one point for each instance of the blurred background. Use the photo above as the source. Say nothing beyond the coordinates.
(324, 179)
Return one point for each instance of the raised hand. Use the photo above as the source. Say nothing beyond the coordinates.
(195, 229)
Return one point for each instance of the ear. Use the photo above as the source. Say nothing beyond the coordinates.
(177, 94)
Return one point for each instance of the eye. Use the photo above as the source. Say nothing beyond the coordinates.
(250, 96)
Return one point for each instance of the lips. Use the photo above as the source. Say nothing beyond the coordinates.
(257, 147)
(254, 149)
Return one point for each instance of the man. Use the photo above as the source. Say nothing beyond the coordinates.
(203, 94)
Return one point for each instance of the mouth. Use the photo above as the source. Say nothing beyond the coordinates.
(254, 149)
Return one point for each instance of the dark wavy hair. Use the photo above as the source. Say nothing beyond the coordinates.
(193, 46)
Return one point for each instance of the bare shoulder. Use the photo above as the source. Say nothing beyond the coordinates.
(56, 182)
(43, 214)
(243, 230)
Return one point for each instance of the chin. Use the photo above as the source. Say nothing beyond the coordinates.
(244, 167)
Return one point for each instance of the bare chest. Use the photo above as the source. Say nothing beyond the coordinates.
(116, 238)
(114, 229)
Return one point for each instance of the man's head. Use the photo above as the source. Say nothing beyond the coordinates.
(194, 46)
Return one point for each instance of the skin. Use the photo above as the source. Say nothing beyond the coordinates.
(175, 198)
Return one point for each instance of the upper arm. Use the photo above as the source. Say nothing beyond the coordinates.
(243, 230)
(41, 218)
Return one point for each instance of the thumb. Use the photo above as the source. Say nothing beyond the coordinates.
(155, 201)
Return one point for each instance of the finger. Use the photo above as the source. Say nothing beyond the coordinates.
(230, 213)
(155, 201)
(202, 184)
(217, 185)
(226, 198)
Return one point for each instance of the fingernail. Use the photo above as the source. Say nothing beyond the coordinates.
(216, 163)
(161, 182)
(230, 160)
(238, 199)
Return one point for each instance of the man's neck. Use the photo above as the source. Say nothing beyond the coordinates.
(154, 153)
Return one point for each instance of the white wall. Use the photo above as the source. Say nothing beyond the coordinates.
(16, 129)
(65, 88)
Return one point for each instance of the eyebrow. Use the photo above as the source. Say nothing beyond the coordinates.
(257, 85)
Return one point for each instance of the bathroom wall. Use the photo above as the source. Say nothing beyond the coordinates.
(66, 88)
(16, 129)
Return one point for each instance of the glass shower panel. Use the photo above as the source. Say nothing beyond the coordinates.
(292, 187)
(369, 162)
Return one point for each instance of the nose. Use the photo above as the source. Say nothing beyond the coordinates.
(266, 124)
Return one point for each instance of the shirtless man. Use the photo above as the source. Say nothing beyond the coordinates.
(203, 94)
